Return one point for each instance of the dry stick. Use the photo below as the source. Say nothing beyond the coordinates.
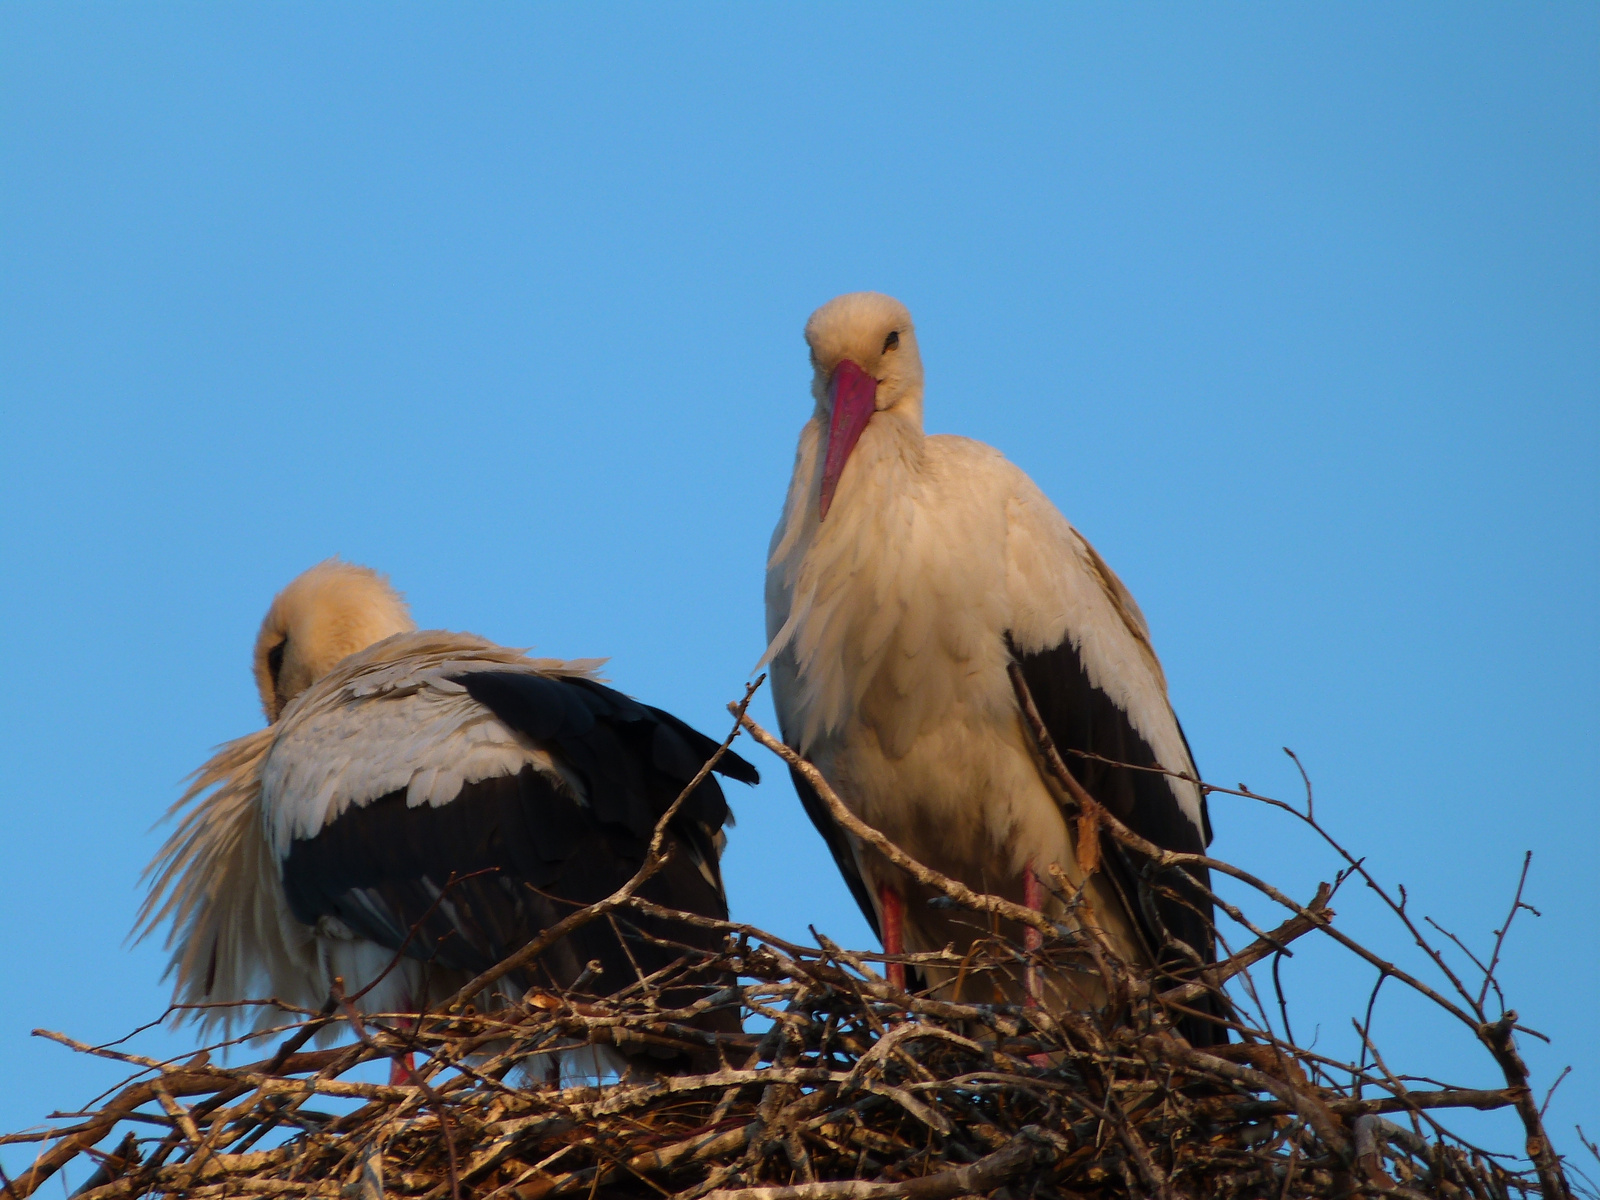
(199, 1079)
(178, 1082)
(1551, 1094)
(1365, 1029)
(959, 892)
(1032, 1145)
(1592, 1147)
(1483, 1099)
(1500, 934)
(445, 1132)
(1283, 1001)
(1273, 943)
(1473, 958)
(654, 860)
(1496, 1036)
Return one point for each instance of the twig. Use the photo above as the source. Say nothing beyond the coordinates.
(1274, 942)
(955, 890)
(1551, 1094)
(975, 1178)
(1365, 1030)
(1496, 1035)
(1500, 934)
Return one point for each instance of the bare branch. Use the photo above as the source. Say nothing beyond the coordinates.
(856, 1091)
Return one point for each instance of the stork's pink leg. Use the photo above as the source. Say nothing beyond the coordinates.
(1032, 940)
(892, 912)
(403, 1068)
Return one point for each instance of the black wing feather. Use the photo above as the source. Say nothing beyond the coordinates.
(514, 854)
(625, 750)
(1168, 908)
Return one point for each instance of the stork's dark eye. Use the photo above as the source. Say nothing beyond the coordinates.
(892, 341)
(275, 660)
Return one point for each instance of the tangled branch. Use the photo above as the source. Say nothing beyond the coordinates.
(849, 1088)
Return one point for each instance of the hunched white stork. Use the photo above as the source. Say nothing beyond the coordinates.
(906, 573)
(431, 792)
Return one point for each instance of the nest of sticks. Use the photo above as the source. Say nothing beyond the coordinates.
(851, 1089)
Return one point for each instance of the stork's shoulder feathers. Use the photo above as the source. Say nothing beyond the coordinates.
(1069, 608)
(1051, 569)
(392, 718)
(1060, 594)
(1049, 564)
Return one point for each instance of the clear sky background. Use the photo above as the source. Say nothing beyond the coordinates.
(1293, 310)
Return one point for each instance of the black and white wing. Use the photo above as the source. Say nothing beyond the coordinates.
(476, 803)
(1085, 653)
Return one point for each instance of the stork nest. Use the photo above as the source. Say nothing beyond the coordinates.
(855, 1090)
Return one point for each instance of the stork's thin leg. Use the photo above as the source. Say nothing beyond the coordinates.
(1032, 940)
(892, 912)
(403, 1068)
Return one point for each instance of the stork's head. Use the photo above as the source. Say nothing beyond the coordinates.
(864, 355)
(325, 615)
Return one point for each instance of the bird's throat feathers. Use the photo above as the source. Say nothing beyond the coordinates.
(874, 498)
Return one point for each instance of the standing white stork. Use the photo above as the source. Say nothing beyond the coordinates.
(433, 795)
(906, 574)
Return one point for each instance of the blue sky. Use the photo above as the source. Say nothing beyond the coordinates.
(1293, 310)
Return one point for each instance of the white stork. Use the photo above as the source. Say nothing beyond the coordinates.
(431, 793)
(906, 573)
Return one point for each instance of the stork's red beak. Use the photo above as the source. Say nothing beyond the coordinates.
(855, 396)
